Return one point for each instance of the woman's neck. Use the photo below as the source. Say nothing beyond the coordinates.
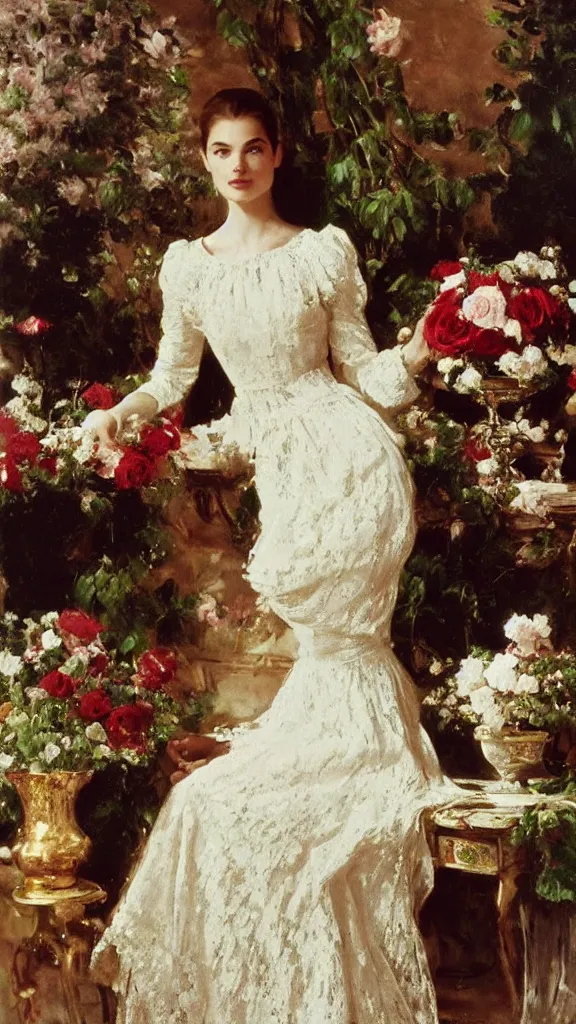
(248, 224)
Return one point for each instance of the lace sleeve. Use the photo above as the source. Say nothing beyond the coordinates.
(181, 344)
(380, 376)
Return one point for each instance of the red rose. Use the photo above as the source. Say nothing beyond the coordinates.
(478, 280)
(95, 705)
(58, 684)
(490, 343)
(99, 396)
(533, 307)
(79, 624)
(127, 725)
(445, 268)
(446, 329)
(156, 667)
(175, 415)
(155, 441)
(571, 382)
(23, 446)
(32, 325)
(48, 464)
(8, 426)
(171, 429)
(10, 475)
(98, 665)
(134, 470)
(475, 450)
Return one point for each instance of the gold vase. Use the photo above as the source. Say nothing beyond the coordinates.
(50, 846)
(516, 756)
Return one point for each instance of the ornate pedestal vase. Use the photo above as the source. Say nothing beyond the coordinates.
(50, 847)
(515, 756)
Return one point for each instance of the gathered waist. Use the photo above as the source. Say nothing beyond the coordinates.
(258, 409)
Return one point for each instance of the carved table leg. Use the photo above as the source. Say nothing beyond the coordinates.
(510, 954)
(63, 940)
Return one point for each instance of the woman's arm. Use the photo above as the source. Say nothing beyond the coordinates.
(384, 377)
(178, 359)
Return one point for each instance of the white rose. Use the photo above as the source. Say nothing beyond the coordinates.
(530, 265)
(501, 674)
(102, 750)
(24, 385)
(528, 634)
(50, 640)
(457, 280)
(10, 664)
(484, 705)
(527, 684)
(487, 467)
(526, 365)
(49, 618)
(513, 329)
(469, 380)
(96, 733)
(470, 676)
(507, 272)
(51, 752)
(563, 356)
(486, 307)
(6, 761)
(448, 363)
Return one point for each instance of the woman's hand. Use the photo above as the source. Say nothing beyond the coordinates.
(415, 352)
(103, 425)
(193, 752)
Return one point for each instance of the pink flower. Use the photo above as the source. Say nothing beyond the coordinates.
(486, 307)
(385, 35)
(32, 325)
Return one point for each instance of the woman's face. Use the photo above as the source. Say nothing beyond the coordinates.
(240, 159)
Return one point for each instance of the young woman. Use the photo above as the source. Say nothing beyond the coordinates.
(281, 882)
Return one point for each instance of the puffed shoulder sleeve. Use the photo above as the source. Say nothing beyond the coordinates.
(180, 349)
(380, 376)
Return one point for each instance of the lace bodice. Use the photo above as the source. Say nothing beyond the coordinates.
(271, 319)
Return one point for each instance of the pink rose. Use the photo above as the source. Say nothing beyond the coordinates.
(486, 307)
(385, 35)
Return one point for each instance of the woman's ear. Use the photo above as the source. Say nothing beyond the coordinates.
(278, 155)
(204, 160)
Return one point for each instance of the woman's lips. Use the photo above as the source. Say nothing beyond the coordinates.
(240, 183)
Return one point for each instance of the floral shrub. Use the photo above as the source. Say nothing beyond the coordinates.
(70, 700)
(511, 320)
(528, 686)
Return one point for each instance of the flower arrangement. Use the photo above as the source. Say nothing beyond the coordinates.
(528, 686)
(511, 319)
(59, 453)
(70, 700)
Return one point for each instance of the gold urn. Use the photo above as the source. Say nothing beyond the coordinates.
(50, 846)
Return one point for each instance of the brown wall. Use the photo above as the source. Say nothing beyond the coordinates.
(447, 59)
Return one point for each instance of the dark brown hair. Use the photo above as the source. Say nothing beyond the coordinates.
(239, 103)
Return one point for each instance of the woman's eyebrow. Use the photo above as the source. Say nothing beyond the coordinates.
(250, 142)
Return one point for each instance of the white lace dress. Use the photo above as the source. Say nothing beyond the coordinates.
(281, 882)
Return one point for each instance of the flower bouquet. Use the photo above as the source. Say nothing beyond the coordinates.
(510, 320)
(70, 701)
(149, 457)
(528, 686)
(515, 698)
